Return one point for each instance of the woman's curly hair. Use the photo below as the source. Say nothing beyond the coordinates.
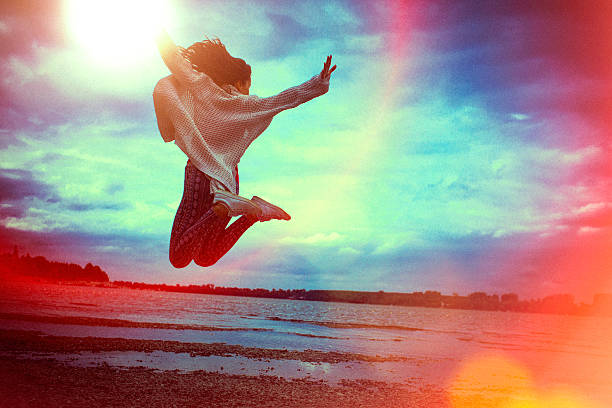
(211, 57)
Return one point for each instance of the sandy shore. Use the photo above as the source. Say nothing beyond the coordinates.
(33, 383)
(30, 383)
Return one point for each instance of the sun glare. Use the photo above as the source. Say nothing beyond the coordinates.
(118, 32)
(498, 381)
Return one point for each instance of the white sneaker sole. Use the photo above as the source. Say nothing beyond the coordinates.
(236, 205)
(270, 211)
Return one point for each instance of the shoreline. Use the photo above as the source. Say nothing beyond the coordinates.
(553, 304)
(106, 322)
(33, 341)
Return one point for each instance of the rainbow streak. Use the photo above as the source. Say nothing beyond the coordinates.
(397, 38)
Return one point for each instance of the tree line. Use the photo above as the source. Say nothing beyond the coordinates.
(557, 304)
(39, 268)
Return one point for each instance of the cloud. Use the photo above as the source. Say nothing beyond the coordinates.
(60, 86)
(133, 255)
(10, 211)
(28, 23)
(588, 230)
(17, 185)
(519, 58)
(348, 251)
(114, 188)
(591, 216)
(79, 207)
(591, 208)
(92, 188)
(285, 26)
(332, 238)
(553, 29)
(519, 116)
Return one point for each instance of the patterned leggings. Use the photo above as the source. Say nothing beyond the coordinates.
(198, 233)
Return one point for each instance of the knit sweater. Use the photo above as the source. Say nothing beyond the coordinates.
(215, 126)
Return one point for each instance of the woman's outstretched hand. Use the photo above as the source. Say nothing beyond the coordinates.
(326, 72)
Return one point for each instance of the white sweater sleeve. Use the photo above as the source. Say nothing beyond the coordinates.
(287, 99)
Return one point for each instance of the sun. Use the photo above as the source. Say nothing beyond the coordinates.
(120, 32)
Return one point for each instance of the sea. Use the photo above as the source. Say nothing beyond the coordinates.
(539, 355)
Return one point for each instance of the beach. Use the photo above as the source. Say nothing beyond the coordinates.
(46, 383)
(27, 382)
(71, 346)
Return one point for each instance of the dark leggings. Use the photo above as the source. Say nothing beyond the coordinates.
(198, 233)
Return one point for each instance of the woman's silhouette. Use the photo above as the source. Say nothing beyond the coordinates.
(205, 107)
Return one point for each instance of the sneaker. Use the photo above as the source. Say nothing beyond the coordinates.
(237, 205)
(270, 211)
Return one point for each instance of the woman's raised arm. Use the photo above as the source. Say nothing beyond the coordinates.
(176, 62)
(165, 45)
(294, 96)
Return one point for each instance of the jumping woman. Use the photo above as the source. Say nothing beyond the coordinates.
(205, 107)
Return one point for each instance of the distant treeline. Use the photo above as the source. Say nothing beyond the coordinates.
(39, 268)
(559, 304)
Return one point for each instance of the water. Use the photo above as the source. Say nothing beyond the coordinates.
(442, 346)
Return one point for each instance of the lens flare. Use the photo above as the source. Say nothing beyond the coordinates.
(498, 381)
(486, 380)
(116, 31)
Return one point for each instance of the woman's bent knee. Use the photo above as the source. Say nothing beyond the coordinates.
(178, 262)
(205, 262)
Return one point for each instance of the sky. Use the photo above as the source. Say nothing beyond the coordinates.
(463, 145)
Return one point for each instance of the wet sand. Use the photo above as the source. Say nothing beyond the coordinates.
(47, 382)
(24, 341)
(100, 321)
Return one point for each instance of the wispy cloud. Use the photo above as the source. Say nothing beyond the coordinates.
(316, 239)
